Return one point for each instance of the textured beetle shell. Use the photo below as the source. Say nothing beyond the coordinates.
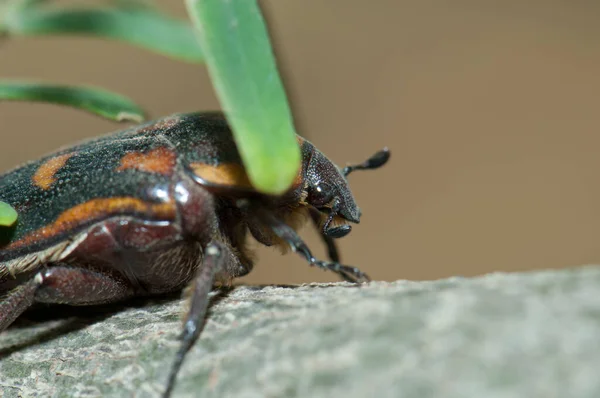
(126, 173)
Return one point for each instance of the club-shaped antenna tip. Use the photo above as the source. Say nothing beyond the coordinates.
(380, 158)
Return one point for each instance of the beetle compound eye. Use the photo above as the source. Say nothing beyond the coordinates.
(320, 195)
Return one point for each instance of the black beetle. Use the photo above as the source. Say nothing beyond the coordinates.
(155, 209)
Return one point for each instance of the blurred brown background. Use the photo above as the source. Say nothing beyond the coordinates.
(490, 109)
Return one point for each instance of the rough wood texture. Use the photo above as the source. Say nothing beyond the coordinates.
(519, 335)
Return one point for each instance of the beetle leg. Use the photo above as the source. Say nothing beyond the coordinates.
(17, 301)
(79, 286)
(332, 250)
(214, 256)
(62, 285)
(347, 273)
(287, 233)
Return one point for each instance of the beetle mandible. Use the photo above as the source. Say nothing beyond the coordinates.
(155, 209)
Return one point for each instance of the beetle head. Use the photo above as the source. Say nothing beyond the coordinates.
(327, 189)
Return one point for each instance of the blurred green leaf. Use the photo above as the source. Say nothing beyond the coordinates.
(137, 25)
(146, 5)
(97, 101)
(243, 70)
(8, 215)
(24, 3)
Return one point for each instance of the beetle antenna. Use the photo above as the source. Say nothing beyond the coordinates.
(374, 162)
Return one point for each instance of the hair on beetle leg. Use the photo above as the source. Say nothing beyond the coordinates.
(294, 218)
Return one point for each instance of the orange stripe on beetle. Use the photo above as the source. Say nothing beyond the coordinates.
(160, 161)
(225, 174)
(97, 209)
(44, 176)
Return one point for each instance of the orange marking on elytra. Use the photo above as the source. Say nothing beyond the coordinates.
(227, 174)
(44, 175)
(160, 160)
(96, 209)
(299, 180)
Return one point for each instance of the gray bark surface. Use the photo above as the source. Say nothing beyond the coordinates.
(501, 335)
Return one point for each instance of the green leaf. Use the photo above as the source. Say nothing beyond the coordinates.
(8, 215)
(97, 101)
(146, 5)
(138, 26)
(242, 66)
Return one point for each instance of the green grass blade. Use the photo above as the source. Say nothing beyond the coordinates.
(243, 70)
(8, 215)
(97, 101)
(145, 5)
(133, 25)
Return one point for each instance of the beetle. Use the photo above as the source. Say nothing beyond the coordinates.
(161, 207)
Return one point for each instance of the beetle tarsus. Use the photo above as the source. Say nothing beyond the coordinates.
(347, 273)
(194, 321)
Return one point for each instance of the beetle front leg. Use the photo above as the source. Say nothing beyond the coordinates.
(287, 233)
(347, 273)
(332, 250)
(215, 255)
